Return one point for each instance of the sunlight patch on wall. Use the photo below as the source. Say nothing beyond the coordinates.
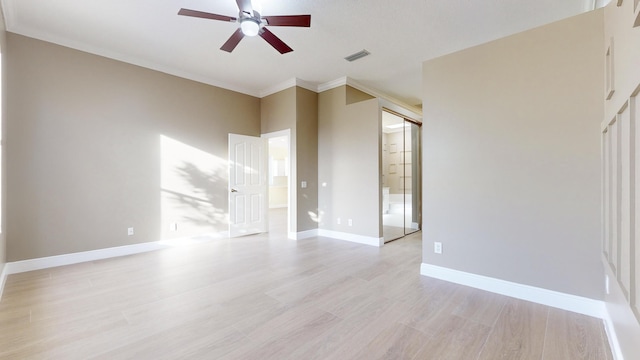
(193, 191)
(316, 217)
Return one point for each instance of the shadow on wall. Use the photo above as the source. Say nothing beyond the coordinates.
(193, 191)
(201, 210)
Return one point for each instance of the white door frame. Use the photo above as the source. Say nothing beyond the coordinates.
(291, 179)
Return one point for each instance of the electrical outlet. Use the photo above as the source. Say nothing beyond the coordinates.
(130, 231)
(350, 222)
(338, 221)
(606, 284)
(173, 226)
(303, 184)
(437, 247)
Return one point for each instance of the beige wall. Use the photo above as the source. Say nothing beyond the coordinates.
(349, 162)
(621, 210)
(296, 109)
(307, 158)
(278, 112)
(95, 146)
(3, 192)
(511, 151)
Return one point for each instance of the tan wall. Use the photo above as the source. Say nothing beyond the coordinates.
(278, 112)
(511, 183)
(307, 158)
(3, 192)
(95, 146)
(349, 163)
(297, 109)
(354, 96)
(621, 159)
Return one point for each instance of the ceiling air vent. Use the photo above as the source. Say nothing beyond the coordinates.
(358, 55)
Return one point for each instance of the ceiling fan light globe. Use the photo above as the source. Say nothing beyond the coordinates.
(250, 27)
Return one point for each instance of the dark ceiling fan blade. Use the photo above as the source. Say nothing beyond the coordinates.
(275, 41)
(233, 41)
(206, 15)
(245, 6)
(289, 20)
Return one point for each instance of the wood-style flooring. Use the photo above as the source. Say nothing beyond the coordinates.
(267, 297)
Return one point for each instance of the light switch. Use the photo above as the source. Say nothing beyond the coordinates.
(303, 184)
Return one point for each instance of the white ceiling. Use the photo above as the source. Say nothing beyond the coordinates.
(399, 34)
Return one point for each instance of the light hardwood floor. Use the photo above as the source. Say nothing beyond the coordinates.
(266, 297)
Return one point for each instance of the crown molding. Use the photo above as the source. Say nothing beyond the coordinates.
(332, 84)
(307, 85)
(288, 84)
(345, 80)
(132, 60)
(383, 96)
(277, 88)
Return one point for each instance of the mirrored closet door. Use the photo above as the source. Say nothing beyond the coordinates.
(400, 176)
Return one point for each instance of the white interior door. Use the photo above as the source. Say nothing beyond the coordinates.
(247, 185)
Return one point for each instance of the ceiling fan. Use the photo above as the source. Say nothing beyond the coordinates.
(252, 24)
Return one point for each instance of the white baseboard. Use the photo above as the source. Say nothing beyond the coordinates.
(3, 279)
(551, 298)
(303, 234)
(278, 206)
(578, 304)
(620, 316)
(84, 256)
(79, 257)
(614, 344)
(360, 239)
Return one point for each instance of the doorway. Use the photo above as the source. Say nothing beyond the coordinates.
(401, 172)
(279, 179)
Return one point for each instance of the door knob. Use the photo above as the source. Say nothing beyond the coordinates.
(234, 190)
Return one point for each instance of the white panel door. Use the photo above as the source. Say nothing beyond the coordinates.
(247, 185)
